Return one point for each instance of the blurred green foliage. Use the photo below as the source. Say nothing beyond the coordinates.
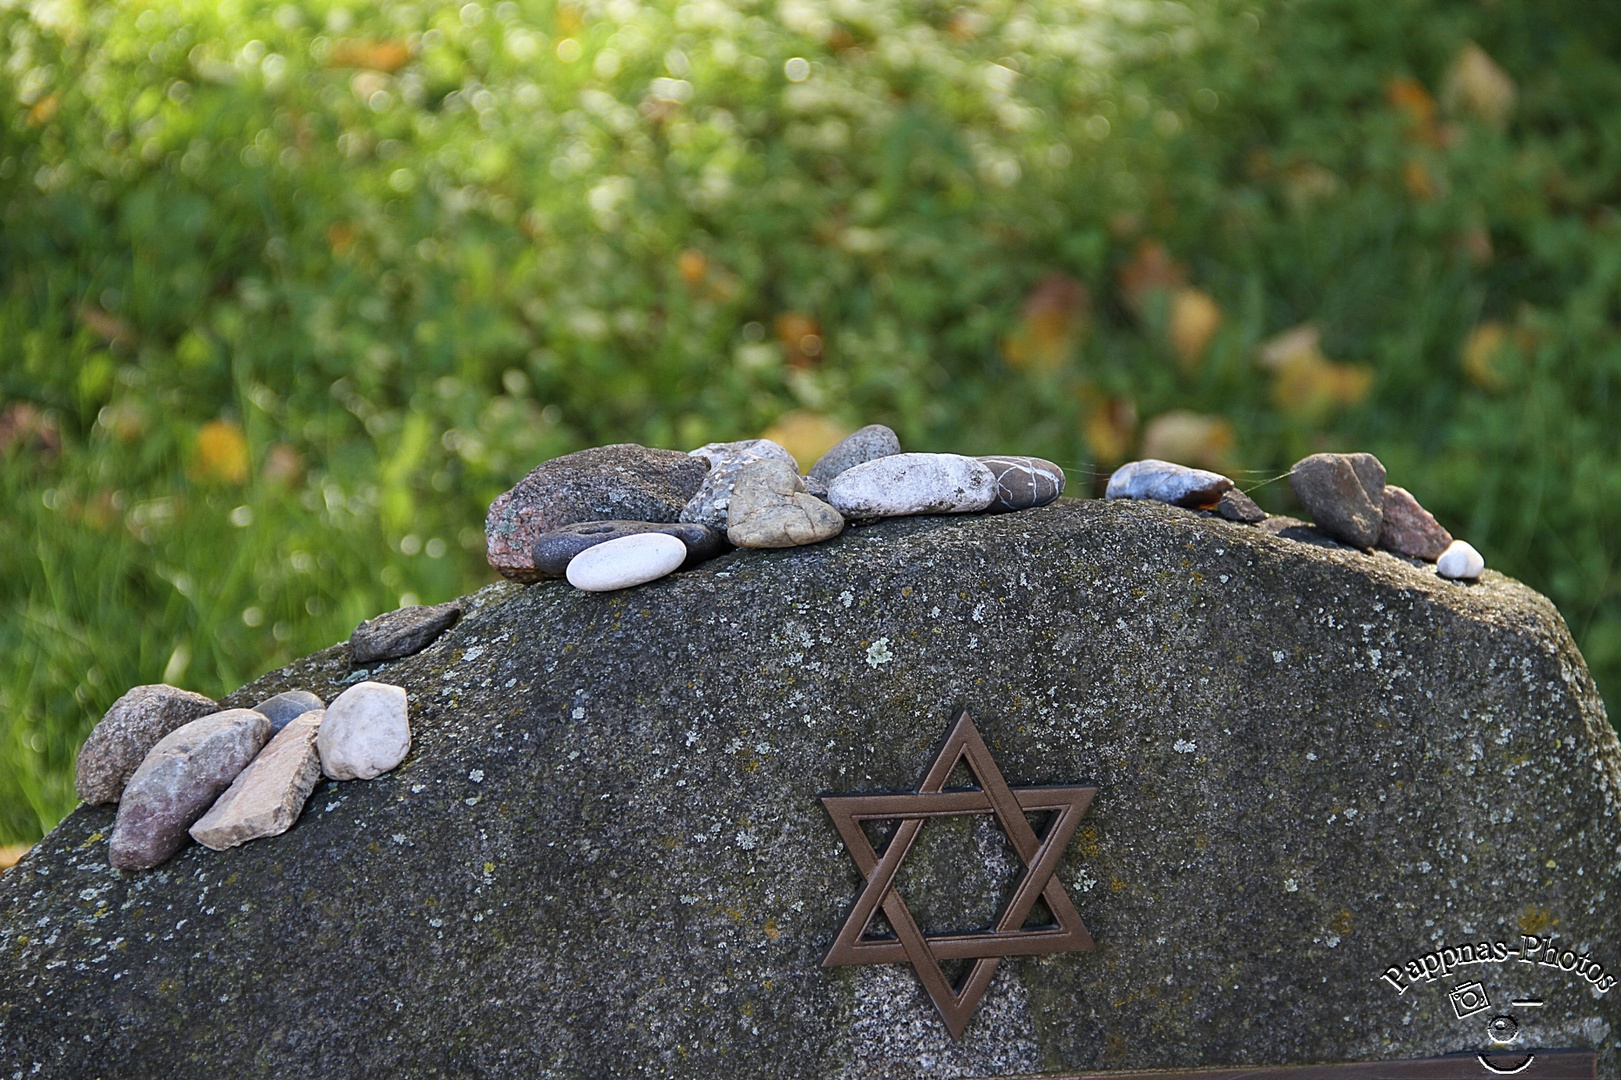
(289, 292)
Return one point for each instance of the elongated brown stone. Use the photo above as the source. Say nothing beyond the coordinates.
(267, 797)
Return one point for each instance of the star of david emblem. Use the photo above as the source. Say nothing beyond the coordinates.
(1008, 936)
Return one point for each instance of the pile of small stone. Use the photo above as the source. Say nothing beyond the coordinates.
(177, 765)
(616, 516)
(1345, 494)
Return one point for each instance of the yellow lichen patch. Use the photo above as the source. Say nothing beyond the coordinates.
(1535, 920)
(771, 930)
(1342, 922)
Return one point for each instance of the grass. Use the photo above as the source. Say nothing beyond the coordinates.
(289, 292)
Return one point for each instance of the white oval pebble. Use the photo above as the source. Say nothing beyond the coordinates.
(626, 561)
(1460, 560)
(365, 733)
(902, 484)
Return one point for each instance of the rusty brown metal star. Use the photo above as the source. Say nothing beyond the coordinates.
(1008, 935)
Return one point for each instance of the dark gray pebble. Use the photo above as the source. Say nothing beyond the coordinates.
(283, 709)
(553, 551)
(1237, 506)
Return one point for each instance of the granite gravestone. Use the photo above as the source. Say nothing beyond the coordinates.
(1307, 805)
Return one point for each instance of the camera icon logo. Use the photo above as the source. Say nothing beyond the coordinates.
(1468, 999)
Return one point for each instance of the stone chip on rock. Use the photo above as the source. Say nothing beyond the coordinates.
(622, 482)
(178, 781)
(266, 797)
(904, 484)
(405, 632)
(1234, 505)
(133, 725)
(554, 551)
(1167, 482)
(1344, 493)
(772, 509)
(1409, 529)
(366, 732)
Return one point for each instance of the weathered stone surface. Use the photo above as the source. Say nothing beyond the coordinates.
(366, 732)
(267, 796)
(864, 444)
(626, 561)
(1460, 561)
(284, 708)
(1408, 529)
(132, 727)
(394, 634)
(903, 484)
(1167, 482)
(771, 509)
(554, 550)
(486, 910)
(180, 779)
(709, 506)
(1343, 493)
(1234, 505)
(1023, 482)
(622, 482)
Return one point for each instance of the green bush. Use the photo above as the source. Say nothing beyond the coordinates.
(289, 292)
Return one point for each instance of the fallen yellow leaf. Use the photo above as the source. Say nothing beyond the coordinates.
(1109, 426)
(1189, 438)
(1484, 345)
(1195, 316)
(222, 453)
(806, 435)
(1053, 321)
(1477, 86)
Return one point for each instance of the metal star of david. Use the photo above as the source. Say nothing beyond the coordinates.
(1008, 935)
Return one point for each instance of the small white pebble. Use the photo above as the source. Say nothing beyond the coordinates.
(1460, 561)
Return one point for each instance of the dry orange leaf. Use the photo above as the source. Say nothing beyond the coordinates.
(1189, 438)
(1409, 96)
(693, 265)
(801, 338)
(341, 235)
(387, 56)
(222, 453)
(1150, 269)
(1054, 319)
(1195, 317)
(1417, 179)
(44, 109)
(1477, 86)
(806, 435)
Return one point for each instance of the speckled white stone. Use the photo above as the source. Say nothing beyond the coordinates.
(903, 484)
(1460, 560)
(627, 561)
(365, 733)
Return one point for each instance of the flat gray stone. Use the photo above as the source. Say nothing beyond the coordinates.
(267, 796)
(709, 506)
(1344, 494)
(864, 444)
(904, 484)
(394, 634)
(554, 550)
(1408, 529)
(656, 770)
(771, 509)
(1167, 482)
(178, 781)
(284, 708)
(1023, 482)
(129, 730)
(622, 482)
